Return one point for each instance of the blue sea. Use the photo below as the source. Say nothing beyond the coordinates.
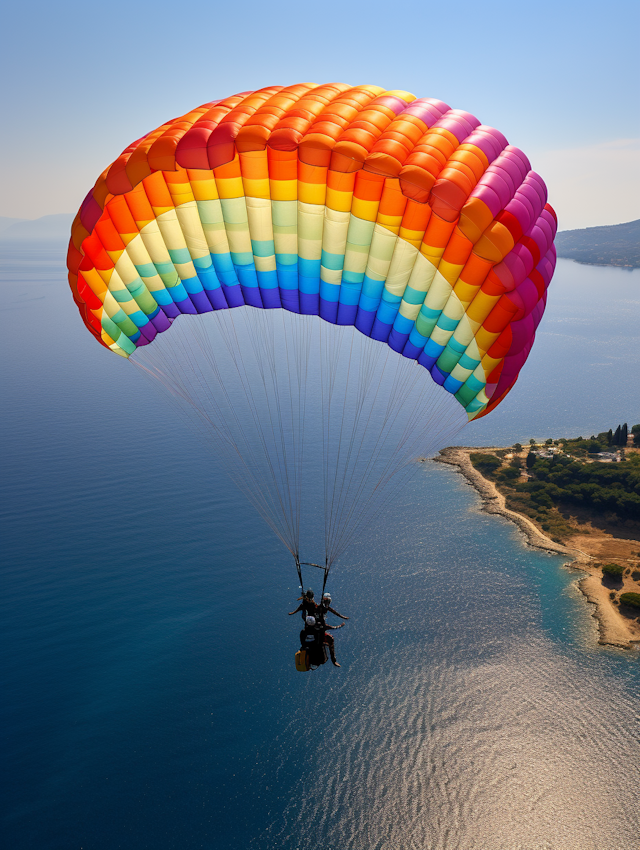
(149, 696)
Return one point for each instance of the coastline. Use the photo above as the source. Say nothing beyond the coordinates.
(613, 628)
(629, 268)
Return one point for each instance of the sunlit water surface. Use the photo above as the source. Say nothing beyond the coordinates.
(150, 698)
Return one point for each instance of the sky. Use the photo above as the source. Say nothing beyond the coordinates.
(560, 79)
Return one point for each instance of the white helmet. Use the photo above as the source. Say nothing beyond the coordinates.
(327, 596)
(310, 621)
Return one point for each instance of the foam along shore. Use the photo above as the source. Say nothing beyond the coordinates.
(614, 628)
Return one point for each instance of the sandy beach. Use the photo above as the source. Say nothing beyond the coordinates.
(584, 550)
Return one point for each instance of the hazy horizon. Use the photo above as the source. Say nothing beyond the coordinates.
(571, 194)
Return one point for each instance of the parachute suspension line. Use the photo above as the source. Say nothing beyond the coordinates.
(270, 437)
(350, 460)
(296, 340)
(329, 493)
(285, 433)
(267, 421)
(286, 399)
(254, 491)
(211, 404)
(297, 348)
(326, 569)
(428, 426)
(362, 514)
(348, 509)
(265, 357)
(344, 456)
(337, 455)
(326, 575)
(327, 380)
(297, 560)
(303, 340)
(350, 465)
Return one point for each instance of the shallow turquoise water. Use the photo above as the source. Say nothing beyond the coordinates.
(151, 699)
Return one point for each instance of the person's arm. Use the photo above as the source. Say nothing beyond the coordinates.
(342, 617)
(299, 608)
(327, 626)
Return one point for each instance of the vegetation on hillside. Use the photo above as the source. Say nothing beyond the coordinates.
(614, 245)
(554, 482)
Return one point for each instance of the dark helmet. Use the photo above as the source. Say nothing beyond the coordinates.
(309, 594)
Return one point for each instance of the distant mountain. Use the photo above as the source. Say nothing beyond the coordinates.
(613, 245)
(48, 227)
(7, 222)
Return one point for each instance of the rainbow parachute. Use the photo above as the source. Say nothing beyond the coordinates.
(410, 220)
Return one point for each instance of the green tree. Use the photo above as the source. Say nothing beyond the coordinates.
(508, 474)
(487, 464)
(609, 437)
(630, 599)
(624, 434)
(636, 435)
(616, 437)
(531, 459)
(532, 442)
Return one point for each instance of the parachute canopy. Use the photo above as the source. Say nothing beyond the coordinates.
(410, 220)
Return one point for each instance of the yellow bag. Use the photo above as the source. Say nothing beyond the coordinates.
(302, 661)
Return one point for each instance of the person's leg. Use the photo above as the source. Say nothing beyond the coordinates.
(328, 639)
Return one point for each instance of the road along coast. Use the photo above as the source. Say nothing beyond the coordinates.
(614, 628)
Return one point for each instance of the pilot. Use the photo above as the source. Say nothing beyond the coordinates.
(325, 607)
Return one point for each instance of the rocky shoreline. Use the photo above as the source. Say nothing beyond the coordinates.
(613, 628)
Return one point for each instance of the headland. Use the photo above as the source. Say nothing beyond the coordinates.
(611, 245)
(560, 509)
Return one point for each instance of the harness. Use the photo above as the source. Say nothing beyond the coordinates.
(300, 564)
